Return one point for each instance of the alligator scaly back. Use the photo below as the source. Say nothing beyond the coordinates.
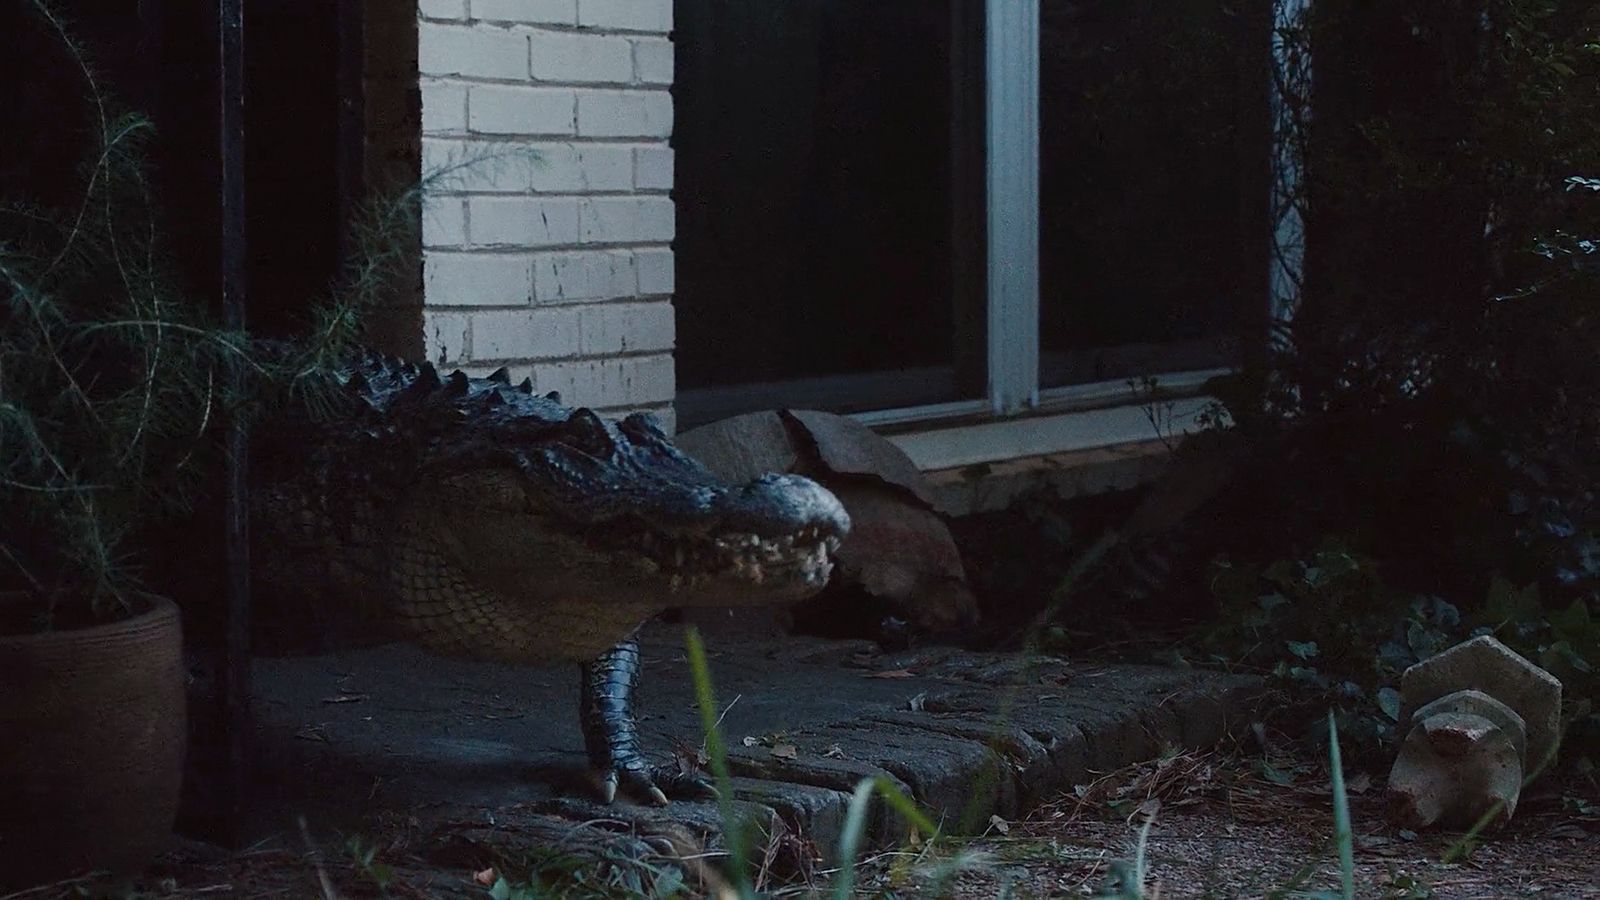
(477, 517)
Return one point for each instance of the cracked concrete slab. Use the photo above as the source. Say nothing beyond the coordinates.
(345, 737)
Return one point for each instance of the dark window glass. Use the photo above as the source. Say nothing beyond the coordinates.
(813, 188)
(1153, 191)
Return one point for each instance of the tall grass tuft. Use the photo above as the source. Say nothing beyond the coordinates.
(717, 753)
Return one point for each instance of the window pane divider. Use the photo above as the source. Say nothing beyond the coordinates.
(1011, 38)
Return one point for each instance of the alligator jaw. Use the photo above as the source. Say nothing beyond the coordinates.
(804, 557)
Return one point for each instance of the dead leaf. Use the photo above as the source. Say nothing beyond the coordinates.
(999, 824)
(1358, 783)
(834, 751)
(312, 733)
(487, 877)
(919, 701)
(1149, 808)
(752, 742)
(893, 673)
(786, 751)
(345, 698)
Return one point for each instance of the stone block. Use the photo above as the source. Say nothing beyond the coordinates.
(529, 12)
(510, 109)
(476, 279)
(627, 15)
(571, 57)
(470, 52)
(622, 113)
(522, 221)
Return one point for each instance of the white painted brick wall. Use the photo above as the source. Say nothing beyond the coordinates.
(547, 239)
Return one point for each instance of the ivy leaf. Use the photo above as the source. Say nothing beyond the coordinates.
(1273, 773)
(1395, 655)
(669, 883)
(1389, 702)
(1303, 649)
(1308, 675)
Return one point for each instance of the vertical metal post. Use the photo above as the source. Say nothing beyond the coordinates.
(1012, 42)
(234, 674)
(1291, 83)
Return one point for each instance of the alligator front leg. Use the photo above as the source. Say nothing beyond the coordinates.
(611, 734)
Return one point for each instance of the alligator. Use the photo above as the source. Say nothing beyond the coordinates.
(478, 518)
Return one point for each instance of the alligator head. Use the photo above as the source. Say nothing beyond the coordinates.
(578, 507)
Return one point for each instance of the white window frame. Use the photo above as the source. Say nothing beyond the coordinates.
(1017, 418)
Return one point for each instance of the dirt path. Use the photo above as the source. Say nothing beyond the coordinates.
(1223, 826)
(1223, 829)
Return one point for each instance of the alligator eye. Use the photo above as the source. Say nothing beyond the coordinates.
(643, 425)
(585, 431)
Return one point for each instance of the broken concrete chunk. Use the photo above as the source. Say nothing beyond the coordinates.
(1485, 665)
(1480, 704)
(1454, 768)
(1476, 718)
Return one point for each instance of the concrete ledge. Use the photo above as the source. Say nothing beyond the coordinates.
(347, 737)
(1080, 473)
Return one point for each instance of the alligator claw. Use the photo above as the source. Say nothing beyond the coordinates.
(611, 735)
(651, 785)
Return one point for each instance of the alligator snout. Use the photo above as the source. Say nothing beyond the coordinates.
(776, 505)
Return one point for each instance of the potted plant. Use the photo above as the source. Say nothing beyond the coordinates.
(111, 383)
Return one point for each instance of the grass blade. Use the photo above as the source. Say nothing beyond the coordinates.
(855, 824)
(1341, 814)
(733, 836)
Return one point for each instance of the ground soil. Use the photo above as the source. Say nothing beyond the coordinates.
(1221, 829)
(1222, 825)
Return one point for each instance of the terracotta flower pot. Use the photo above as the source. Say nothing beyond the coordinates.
(92, 738)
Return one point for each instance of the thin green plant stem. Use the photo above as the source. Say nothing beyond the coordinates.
(717, 753)
(855, 823)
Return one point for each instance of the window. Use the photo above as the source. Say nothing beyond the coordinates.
(937, 213)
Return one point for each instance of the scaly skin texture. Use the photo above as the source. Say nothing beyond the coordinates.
(477, 519)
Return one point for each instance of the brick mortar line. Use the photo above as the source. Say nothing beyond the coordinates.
(528, 193)
(665, 353)
(469, 309)
(513, 250)
(552, 27)
(585, 303)
(631, 87)
(492, 137)
(631, 407)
